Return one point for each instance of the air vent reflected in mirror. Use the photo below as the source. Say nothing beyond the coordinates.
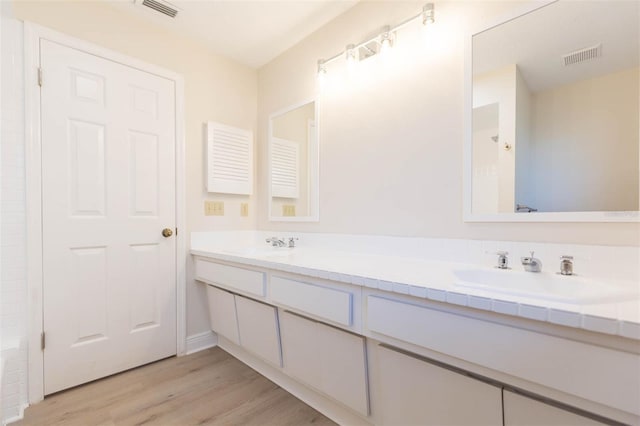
(162, 7)
(582, 55)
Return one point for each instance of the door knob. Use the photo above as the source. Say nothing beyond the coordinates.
(167, 232)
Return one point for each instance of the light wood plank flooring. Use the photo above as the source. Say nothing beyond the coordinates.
(209, 387)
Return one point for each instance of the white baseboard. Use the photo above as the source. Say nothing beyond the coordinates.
(201, 341)
(18, 417)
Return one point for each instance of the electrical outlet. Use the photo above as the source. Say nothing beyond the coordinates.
(288, 210)
(214, 208)
(244, 209)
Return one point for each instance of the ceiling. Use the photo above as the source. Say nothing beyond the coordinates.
(537, 41)
(252, 32)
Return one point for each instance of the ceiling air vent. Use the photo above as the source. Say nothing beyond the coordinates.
(162, 7)
(582, 55)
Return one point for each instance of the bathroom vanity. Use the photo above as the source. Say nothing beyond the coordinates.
(378, 339)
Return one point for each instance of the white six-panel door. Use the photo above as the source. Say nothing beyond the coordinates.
(108, 191)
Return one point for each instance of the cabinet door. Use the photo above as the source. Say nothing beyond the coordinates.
(330, 360)
(343, 367)
(415, 392)
(300, 355)
(522, 411)
(222, 313)
(258, 327)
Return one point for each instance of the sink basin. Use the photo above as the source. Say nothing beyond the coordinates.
(545, 286)
(260, 251)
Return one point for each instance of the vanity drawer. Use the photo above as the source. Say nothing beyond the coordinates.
(231, 277)
(414, 391)
(592, 372)
(258, 327)
(326, 358)
(520, 410)
(222, 313)
(322, 302)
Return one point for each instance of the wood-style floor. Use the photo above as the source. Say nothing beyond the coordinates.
(207, 388)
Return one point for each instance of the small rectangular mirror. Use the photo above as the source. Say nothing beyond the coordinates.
(555, 115)
(294, 163)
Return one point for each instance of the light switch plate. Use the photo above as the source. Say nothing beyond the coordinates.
(214, 208)
(288, 210)
(244, 209)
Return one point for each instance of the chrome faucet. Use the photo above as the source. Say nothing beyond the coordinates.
(282, 242)
(503, 260)
(566, 265)
(531, 264)
(276, 242)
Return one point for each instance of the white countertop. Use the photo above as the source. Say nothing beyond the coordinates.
(430, 279)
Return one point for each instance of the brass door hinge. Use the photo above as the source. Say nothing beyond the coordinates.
(40, 77)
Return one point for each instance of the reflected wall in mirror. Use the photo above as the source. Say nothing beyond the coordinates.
(555, 98)
(293, 163)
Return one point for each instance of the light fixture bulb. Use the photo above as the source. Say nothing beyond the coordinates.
(386, 41)
(350, 55)
(322, 67)
(350, 52)
(428, 14)
(322, 73)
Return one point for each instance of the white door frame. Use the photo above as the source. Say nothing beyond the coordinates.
(33, 155)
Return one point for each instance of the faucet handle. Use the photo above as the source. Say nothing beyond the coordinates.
(503, 261)
(292, 241)
(566, 265)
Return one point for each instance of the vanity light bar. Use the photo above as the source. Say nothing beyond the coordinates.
(387, 35)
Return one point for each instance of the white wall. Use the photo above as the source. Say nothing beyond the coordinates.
(499, 87)
(584, 144)
(485, 191)
(391, 145)
(523, 179)
(13, 291)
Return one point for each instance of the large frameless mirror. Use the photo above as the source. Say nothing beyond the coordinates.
(294, 163)
(554, 115)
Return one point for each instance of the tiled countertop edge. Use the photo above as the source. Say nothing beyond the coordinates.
(605, 325)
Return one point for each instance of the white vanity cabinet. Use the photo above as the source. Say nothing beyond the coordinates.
(413, 391)
(585, 370)
(330, 360)
(327, 304)
(520, 410)
(222, 313)
(250, 324)
(258, 328)
(370, 356)
(238, 280)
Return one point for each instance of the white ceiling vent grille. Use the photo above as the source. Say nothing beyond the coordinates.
(582, 55)
(162, 7)
(229, 159)
(285, 168)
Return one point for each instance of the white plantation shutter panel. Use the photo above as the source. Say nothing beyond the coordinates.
(285, 164)
(229, 159)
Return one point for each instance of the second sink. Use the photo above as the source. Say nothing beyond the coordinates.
(545, 286)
